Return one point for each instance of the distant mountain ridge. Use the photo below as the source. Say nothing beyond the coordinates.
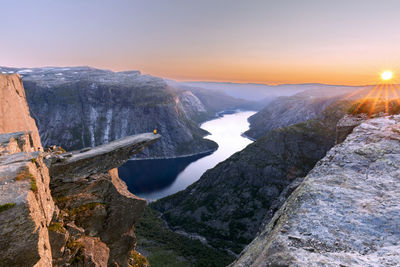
(78, 107)
(257, 92)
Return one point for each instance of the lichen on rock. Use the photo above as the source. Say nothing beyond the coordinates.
(346, 212)
(88, 225)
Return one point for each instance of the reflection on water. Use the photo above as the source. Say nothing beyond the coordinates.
(154, 179)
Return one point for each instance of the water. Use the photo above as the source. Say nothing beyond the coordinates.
(154, 179)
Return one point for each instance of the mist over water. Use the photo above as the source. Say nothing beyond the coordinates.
(154, 179)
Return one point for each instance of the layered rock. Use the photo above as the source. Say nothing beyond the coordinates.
(346, 212)
(92, 223)
(26, 206)
(14, 111)
(97, 213)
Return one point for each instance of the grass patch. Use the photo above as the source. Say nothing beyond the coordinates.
(76, 248)
(85, 207)
(33, 185)
(24, 175)
(6, 206)
(137, 260)
(56, 227)
(168, 248)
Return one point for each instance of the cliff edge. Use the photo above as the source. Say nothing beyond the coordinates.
(346, 211)
(59, 208)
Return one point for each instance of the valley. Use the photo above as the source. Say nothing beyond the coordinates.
(155, 179)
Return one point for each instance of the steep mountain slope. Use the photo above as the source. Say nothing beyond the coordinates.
(346, 212)
(214, 102)
(230, 202)
(285, 111)
(81, 106)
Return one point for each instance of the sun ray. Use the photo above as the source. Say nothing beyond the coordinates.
(353, 93)
(394, 91)
(386, 99)
(366, 98)
(377, 97)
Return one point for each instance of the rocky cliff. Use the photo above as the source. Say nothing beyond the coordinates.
(230, 202)
(84, 107)
(346, 211)
(59, 208)
(306, 105)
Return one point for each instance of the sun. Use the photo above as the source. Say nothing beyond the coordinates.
(387, 75)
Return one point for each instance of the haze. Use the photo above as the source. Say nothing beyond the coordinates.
(336, 42)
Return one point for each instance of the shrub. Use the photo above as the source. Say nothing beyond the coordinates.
(6, 206)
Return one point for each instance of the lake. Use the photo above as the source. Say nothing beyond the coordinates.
(157, 178)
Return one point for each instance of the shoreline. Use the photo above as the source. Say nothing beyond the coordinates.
(217, 115)
(181, 156)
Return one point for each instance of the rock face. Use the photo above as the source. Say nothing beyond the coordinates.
(26, 206)
(100, 159)
(95, 205)
(79, 213)
(346, 212)
(286, 111)
(229, 203)
(15, 115)
(86, 107)
(346, 125)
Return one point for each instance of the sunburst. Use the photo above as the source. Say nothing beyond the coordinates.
(379, 94)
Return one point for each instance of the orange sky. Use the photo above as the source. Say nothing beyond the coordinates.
(260, 41)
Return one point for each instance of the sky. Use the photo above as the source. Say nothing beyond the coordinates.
(259, 41)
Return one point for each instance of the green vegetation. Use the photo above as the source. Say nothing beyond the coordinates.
(137, 260)
(6, 206)
(26, 175)
(85, 207)
(168, 248)
(56, 227)
(33, 185)
(373, 106)
(76, 248)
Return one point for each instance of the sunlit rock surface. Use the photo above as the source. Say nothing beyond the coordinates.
(99, 159)
(26, 206)
(14, 110)
(346, 212)
(89, 225)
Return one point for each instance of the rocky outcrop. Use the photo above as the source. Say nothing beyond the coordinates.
(346, 125)
(14, 111)
(26, 206)
(79, 213)
(230, 202)
(346, 212)
(95, 205)
(286, 111)
(76, 164)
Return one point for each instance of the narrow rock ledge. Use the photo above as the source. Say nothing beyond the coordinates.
(81, 163)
